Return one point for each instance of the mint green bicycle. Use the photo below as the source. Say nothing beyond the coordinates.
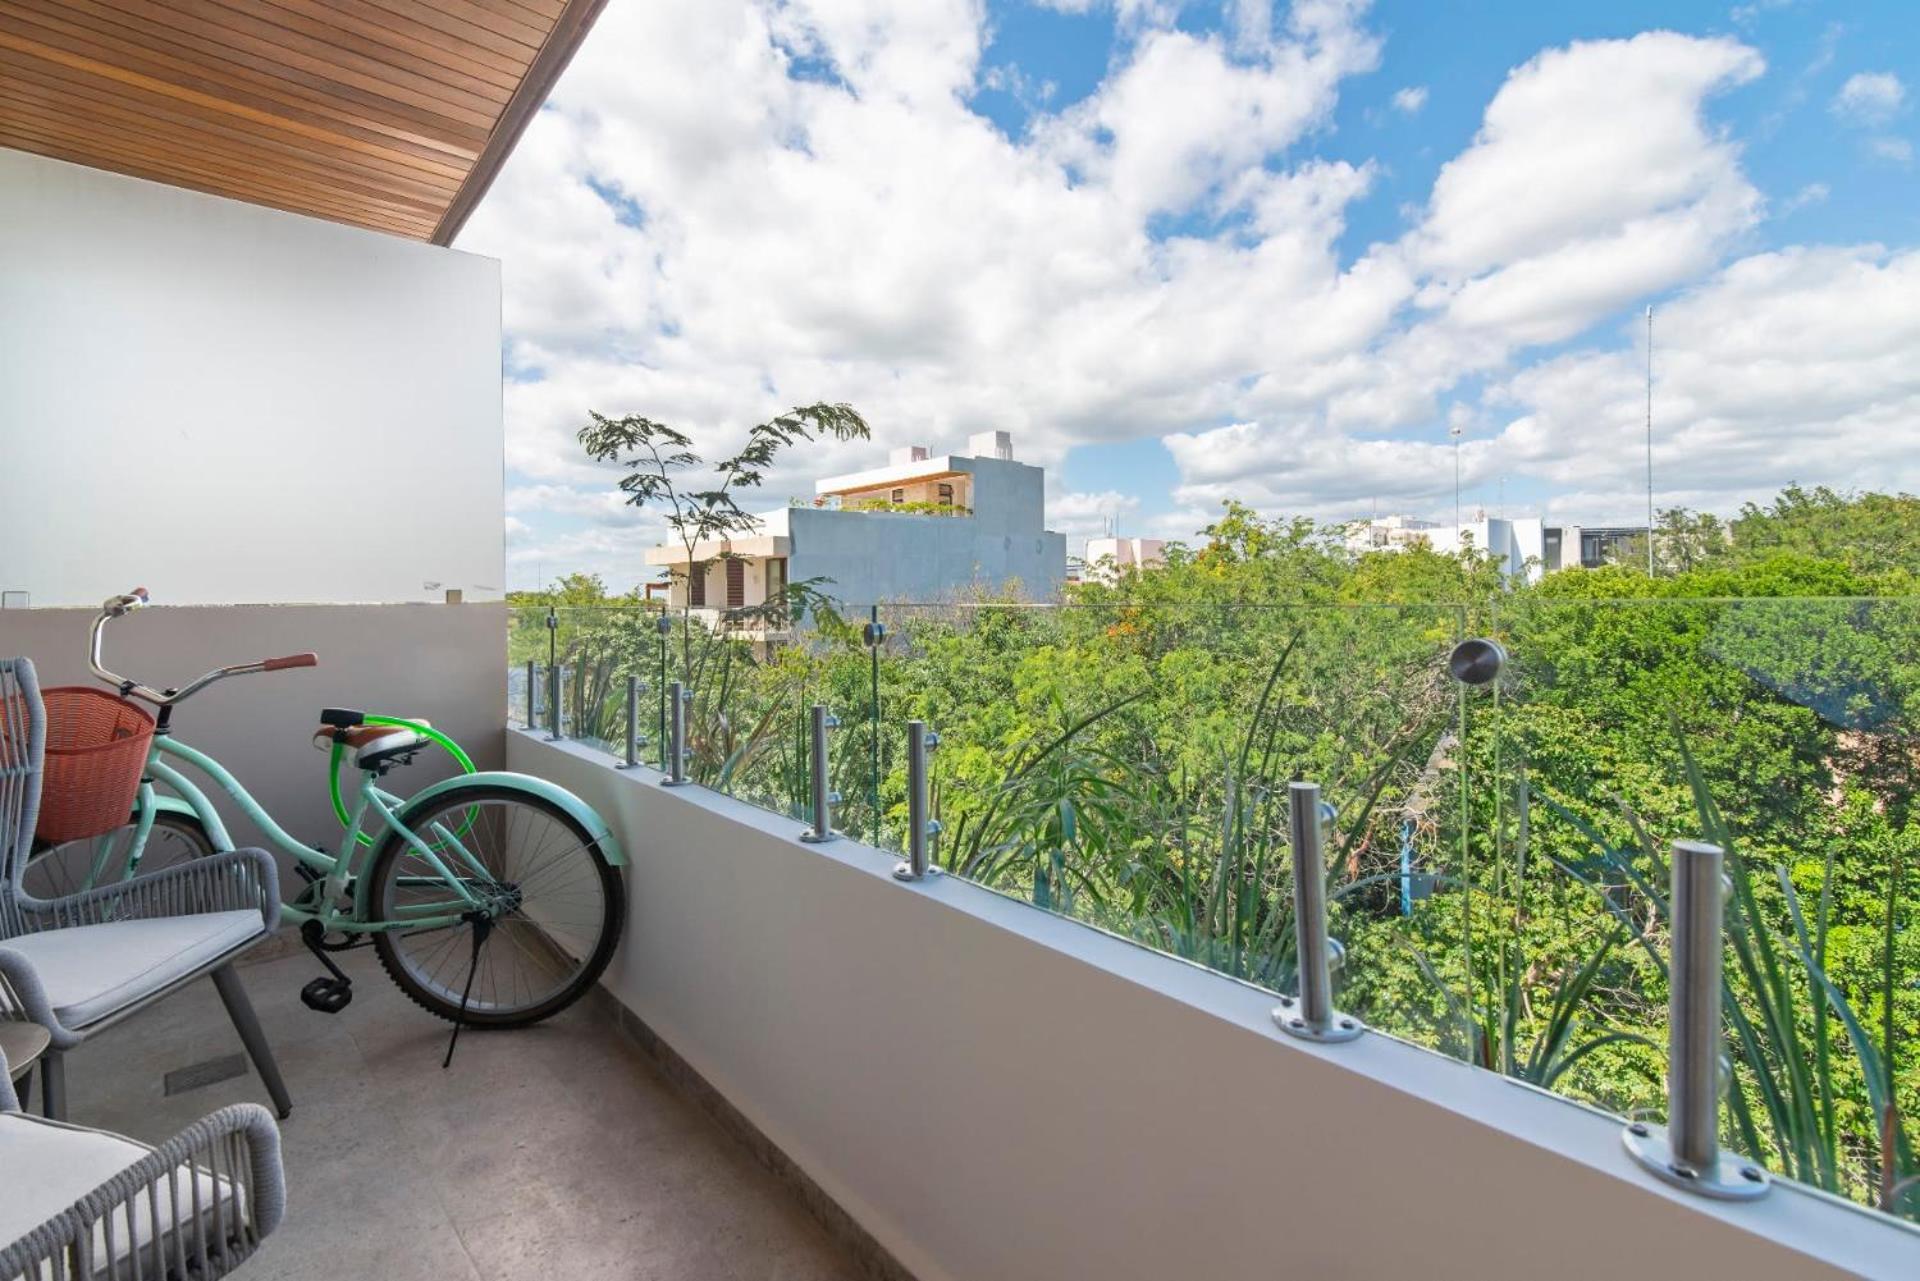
(522, 872)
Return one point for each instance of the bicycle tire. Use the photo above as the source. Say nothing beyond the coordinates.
(437, 992)
(40, 879)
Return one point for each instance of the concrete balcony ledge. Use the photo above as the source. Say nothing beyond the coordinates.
(990, 1091)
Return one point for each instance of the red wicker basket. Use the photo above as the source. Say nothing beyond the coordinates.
(96, 753)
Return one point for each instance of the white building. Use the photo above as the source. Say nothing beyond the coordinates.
(921, 528)
(1107, 558)
(1525, 547)
(1518, 546)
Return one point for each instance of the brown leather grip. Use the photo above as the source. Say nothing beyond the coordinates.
(291, 660)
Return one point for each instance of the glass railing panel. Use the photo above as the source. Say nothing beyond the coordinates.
(1779, 729)
(1496, 869)
(593, 650)
(1127, 766)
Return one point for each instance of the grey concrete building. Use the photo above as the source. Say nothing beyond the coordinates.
(921, 528)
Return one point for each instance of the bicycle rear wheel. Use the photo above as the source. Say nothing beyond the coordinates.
(554, 903)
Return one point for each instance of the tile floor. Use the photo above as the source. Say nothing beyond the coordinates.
(549, 1152)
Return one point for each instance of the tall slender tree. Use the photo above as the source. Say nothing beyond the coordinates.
(700, 501)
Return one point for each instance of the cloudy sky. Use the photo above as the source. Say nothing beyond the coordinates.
(1187, 251)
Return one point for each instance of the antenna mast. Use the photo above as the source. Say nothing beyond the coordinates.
(1649, 440)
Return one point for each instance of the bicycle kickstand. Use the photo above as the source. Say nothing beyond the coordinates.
(482, 927)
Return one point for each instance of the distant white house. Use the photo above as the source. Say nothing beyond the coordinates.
(1524, 547)
(921, 528)
(1108, 557)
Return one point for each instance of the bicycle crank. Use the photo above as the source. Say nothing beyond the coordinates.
(332, 992)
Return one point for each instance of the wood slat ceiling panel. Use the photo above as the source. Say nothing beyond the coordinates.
(387, 114)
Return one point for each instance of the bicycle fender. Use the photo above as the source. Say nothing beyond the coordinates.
(573, 806)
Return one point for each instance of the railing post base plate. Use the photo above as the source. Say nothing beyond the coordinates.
(811, 837)
(1340, 1027)
(903, 871)
(1734, 1178)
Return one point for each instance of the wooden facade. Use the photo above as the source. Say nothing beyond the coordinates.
(388, 114)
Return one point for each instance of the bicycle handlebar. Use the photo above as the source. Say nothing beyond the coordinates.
(118, 607)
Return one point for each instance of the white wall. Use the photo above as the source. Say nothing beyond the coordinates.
(227, 403)
(444, 663)
(994, 1092)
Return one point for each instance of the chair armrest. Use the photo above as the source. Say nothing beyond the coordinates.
(211, 1193)
(22, 997)
(226, 882)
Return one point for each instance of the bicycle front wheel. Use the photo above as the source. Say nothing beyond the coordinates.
(76, 866)
(554, 905)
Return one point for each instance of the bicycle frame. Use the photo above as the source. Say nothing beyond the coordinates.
(337, 896)
(374, 809)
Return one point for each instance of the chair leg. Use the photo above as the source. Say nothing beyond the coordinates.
(247, 1024)
(23, 1090)
(53, 1084)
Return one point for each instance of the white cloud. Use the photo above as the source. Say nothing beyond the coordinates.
(1410, 100)
(1795, 365)
(1233, 111)
(1787, 366)
(1585, 142)
(1896, 151)
(796, 241)
(691, 232)
(1814, 193)
(1870, 98)
(1085, 515)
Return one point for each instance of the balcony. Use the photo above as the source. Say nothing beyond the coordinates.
(1048, 1046)
(985, 1072)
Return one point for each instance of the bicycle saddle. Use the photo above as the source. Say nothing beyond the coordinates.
(372, 744)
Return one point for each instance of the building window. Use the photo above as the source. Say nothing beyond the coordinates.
(946, 494)
(898, 496)
(736, 583)
(777, 578)
(697, 586)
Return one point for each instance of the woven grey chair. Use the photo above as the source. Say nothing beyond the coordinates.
(86, 1205)
(79, 964)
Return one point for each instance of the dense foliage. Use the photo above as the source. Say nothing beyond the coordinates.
(1499, 855)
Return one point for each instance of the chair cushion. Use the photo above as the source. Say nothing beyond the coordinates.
(51, 1165)
(92, 971)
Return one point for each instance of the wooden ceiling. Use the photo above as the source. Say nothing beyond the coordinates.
(388, 114)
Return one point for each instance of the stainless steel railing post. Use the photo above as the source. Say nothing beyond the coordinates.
(824, 798)
(634, 737)
(921, 827)
(1686, 1151)
(553, 702)
(1311, 1015)
(678, 696)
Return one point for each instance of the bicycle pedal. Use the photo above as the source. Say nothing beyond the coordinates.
(327, 995)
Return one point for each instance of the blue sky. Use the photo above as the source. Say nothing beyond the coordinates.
(1189, 251)
(1459, 53)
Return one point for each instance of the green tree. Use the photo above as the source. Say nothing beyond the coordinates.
(701, 502)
